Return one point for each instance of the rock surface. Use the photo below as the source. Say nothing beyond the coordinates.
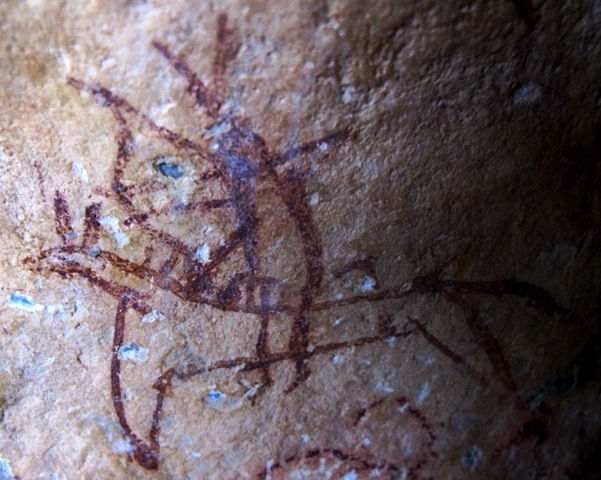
(318, 239)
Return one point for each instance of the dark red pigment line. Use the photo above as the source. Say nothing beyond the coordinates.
(455, 357)
(486, 339)
(241, 160)
(358, 464)
(322, 145)
(291, 189)
(117, 104)
(178, 289)
(91, 226)
(367, 265)
(40, 174)
(145, 455)
(436, 342)
(62, 218)
(224, 51)
(195, 84)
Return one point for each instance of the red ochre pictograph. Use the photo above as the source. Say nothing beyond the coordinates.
(238, 159)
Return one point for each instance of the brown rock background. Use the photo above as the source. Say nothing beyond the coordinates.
(475, 159)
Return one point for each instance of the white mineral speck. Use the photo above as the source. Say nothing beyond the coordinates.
(313, 199)
(111, 226)
(347, 94)
(122, 445)
(107, 62)
(422, 392)
(153, 316)
(23, 302)
(56, 311)
(79, 170)
(221, 402)
(528, 94)
(384, 387)
(5, 470)
(352, 475)
(133, 353)
(367, 284)
(203, 253)
(337, 358)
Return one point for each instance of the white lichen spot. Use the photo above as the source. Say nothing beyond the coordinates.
(310, 348)
(337, 358)
(352, 475)
(323, 146)
(195, 454)
(366, 442)
(384, 387)
(56, 311)
(134, 353)
(214, 146)
(107, 62)
(153, 316)
(221, 128)
(203, 253)
(251, 388)
(308, 65)
(111, 226)
(110, 428)
(347, 94)
(304, 438)
(166, 107)
(5, 471)
(21, 301)
(221, 401)
(79, 308)
(3, 156)
(206, 228)
(422, 393)
(122, 445)
(336, 322)
(313, 199)
(368, 284)
(528, 94)
(79, 170)
(403, 408)
(268, 466)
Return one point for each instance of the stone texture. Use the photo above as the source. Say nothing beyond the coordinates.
(415, 294)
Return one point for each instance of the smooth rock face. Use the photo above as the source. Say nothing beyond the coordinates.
(317, 239)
